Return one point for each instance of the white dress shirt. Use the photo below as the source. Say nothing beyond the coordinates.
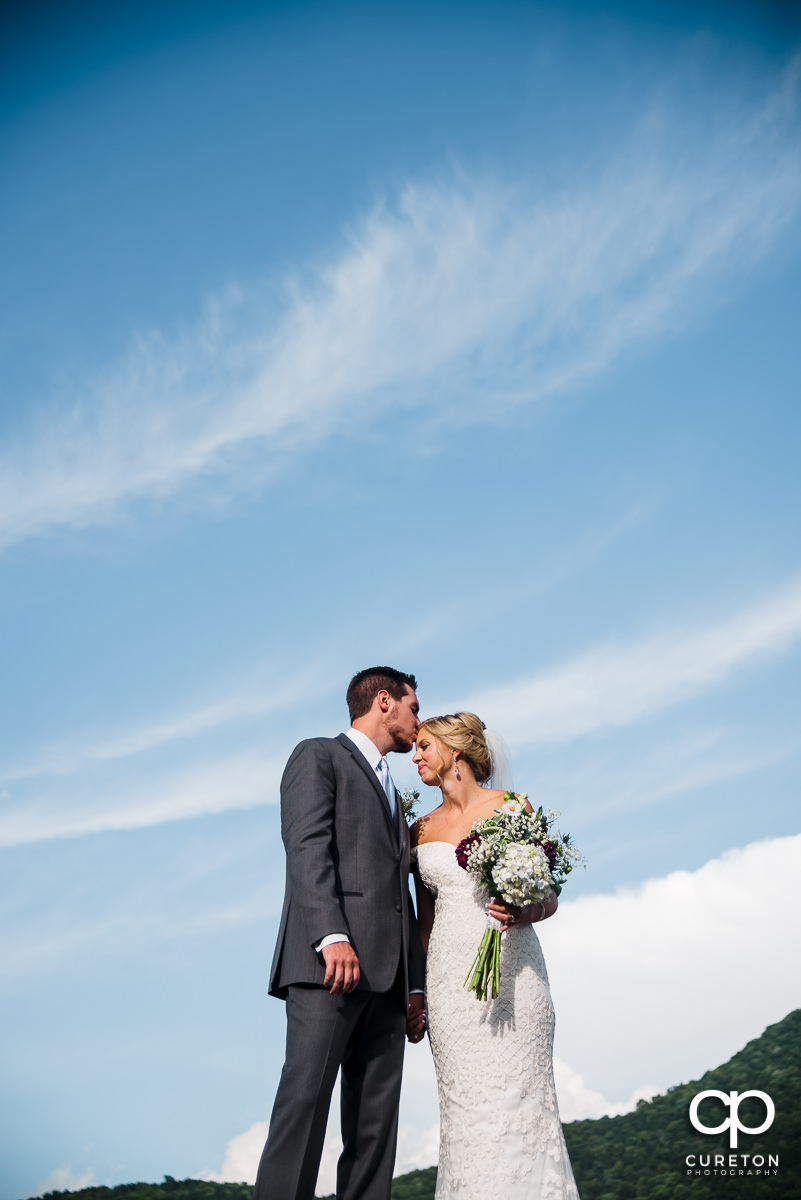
(373, 756)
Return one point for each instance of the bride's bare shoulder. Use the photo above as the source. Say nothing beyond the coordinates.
(420, 831)
(490, 802)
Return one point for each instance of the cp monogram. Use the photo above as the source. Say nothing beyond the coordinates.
(733, 1100)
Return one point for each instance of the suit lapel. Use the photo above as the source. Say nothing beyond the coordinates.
(362, 762)
(402, 830)
(400, 820)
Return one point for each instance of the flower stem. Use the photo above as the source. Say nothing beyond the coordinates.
(484, 975)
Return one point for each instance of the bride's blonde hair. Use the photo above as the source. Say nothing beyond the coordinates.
(464, 732)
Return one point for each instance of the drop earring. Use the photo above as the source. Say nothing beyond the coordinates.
(456, 769)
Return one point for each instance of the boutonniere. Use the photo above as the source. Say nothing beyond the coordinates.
(408, 799)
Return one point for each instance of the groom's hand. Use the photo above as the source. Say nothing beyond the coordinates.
(341, 967)
(416, 1017)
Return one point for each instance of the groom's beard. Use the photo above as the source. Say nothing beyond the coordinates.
(402, 742)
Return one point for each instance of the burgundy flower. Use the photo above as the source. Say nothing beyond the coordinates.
(464, 846)
(550, 853)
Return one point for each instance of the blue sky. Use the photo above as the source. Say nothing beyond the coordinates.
(458, 337)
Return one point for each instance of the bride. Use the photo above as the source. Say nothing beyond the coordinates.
(500, 1133)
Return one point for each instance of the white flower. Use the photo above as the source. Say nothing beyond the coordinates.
(522, 874)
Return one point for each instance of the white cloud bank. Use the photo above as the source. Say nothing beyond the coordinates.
(242, 1154)
(64, 1179)
(659, 982)
(418, 1132)
(617, 685)
(663, 981)
(578, 1102)
(471, 288)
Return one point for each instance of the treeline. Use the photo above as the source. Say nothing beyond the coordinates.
(639, 1156)
(170, 1189)
(417, 1185)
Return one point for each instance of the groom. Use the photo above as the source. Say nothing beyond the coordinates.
(348, 952)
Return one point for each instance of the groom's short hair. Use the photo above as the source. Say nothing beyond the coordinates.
(365, 686)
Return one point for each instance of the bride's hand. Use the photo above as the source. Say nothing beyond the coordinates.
(507, 914)
(510, 914)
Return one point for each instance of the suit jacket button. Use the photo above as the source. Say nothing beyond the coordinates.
(397, 906)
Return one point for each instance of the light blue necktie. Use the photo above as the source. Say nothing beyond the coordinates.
(386, 783)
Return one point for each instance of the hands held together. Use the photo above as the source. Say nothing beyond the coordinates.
(342, 976)
(416, 1019)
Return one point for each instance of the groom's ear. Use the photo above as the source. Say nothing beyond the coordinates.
(383, 699)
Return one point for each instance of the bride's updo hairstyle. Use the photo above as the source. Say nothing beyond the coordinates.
(464, 733)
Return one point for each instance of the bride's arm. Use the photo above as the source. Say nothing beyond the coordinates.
(425, 909)
(541, 912)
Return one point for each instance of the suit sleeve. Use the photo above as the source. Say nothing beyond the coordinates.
(308, 794)
(417, 957)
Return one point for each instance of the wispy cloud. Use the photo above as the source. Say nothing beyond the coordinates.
(145, 915)
(495, 289)
(300, 681)
(607, 687)
(234, 782)
(179, 726)
(600, 786)
(618, 685)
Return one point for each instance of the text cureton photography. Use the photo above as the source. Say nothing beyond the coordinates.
(744, 1164)
(732, 1164)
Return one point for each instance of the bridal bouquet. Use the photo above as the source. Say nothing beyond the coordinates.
(520, 858)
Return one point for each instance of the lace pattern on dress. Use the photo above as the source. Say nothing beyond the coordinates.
(500, 1133)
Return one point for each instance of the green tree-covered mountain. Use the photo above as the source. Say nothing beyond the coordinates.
(640, 1155)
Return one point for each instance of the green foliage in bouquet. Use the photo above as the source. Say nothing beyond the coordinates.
(520, 858)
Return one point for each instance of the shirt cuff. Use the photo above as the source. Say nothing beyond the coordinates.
(330, 939)
(417, 991)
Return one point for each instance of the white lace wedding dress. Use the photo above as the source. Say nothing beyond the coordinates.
(500, 1134)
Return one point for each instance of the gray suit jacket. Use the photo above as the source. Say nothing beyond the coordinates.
(347, 871)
